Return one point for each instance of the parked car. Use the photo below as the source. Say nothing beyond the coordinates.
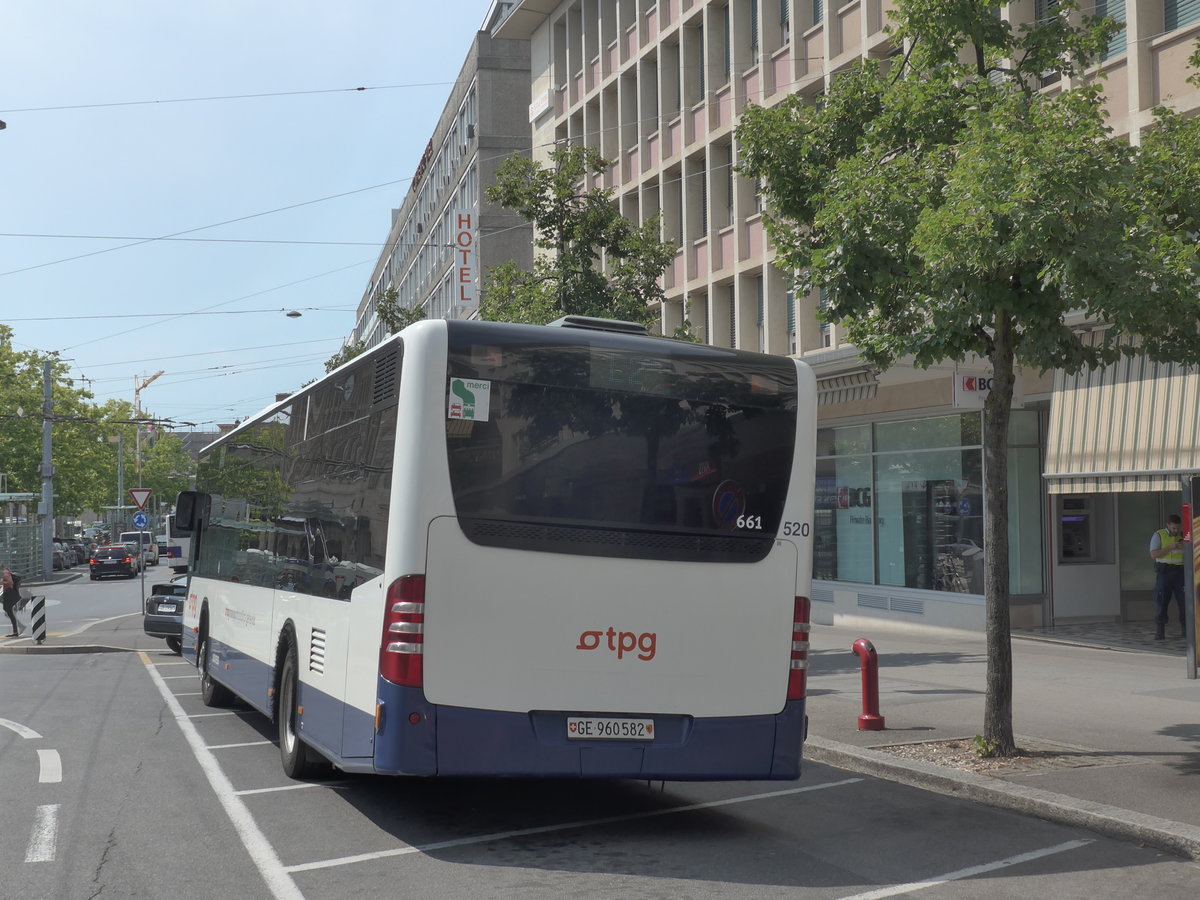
(115, 559)
(59, 558)
(68, 553)
(164, 612)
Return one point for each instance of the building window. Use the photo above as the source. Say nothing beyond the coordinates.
(826, 327)
(754, 49)
(785, 22)
(1115, 9)
(818, 10)
(725, 23)
(1177, 13)
(901, 504)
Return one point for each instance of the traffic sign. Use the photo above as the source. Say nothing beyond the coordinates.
(140, 521)
(140, 496)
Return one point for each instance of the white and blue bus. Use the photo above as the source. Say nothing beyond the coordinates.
(173, 547)
(510, 550)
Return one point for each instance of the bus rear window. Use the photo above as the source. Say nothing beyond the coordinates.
(630, 448)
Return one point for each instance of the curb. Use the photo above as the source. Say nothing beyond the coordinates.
(1179, 838)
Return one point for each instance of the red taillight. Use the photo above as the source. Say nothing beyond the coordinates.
(403, 645)
(798, 673)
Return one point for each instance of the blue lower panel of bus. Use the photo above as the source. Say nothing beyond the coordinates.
(418, 738)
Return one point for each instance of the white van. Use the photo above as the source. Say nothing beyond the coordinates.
(149, 546)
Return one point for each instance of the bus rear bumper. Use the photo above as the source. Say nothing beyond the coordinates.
(417, 737)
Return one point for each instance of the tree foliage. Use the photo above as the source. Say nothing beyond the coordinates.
(84, 459)
(392, 316)
(948, 206)
(576, 228)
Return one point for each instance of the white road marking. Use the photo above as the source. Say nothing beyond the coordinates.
(204, 715)
(188, 694)
(279, 882)
(44, 840)
(544, 829)
(191, 677)
(89, 623)
(285, 787)
(898, 889)
(243, 744)
(20, 729)
(50, 764)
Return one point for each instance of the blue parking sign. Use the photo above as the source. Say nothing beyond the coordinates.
(140, 521)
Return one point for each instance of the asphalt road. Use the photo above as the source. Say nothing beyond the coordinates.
(115, 781)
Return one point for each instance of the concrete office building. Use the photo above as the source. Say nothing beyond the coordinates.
(657, 86)
(481, 125)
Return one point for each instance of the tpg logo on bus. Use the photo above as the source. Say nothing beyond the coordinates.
(470, 399)
(620, 642)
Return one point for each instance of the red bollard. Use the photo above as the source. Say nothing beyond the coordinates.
(870, 720)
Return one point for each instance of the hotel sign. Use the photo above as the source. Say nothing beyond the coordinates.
(466, 257)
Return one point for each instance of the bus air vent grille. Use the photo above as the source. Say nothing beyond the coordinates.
(617, 543)
(316, 651)
(385, 377)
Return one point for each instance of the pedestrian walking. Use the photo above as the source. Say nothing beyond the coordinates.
(12, 596)
(1166, 549)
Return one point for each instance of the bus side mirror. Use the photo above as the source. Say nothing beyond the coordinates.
(190, 508)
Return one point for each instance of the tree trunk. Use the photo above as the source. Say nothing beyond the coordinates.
(997, 711)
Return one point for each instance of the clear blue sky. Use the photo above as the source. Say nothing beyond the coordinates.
(89, 166)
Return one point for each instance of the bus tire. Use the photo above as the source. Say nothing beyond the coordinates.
(211, 693)
(299, 760)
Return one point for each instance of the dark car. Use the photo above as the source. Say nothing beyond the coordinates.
(164, 613)
(116, 559)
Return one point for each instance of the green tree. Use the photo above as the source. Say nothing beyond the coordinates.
(575, 230)
(392, 316)
(345, 354)
(950, 208)
(167, 469)
(74, 450)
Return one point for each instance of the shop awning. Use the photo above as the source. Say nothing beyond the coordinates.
(1131, 426)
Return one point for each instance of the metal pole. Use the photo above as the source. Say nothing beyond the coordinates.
(120, 480)
(1191, 590)
(47, 475)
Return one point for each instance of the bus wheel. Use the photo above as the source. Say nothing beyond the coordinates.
(211, 693)
(299, 760)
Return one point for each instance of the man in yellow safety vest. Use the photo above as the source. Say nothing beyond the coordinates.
(1166, 549)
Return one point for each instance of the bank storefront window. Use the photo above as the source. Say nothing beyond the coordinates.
(901, 503)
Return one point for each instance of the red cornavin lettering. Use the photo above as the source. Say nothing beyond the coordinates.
(619, 642)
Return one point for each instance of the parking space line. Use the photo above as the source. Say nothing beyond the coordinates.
(188, 694)
(50, 767)
(562, 826)
(261, 851)
(242, 744)
(177, 677)
(205, 715)
(898, 889)
(43, 842)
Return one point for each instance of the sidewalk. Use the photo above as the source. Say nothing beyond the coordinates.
(1120, 725)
